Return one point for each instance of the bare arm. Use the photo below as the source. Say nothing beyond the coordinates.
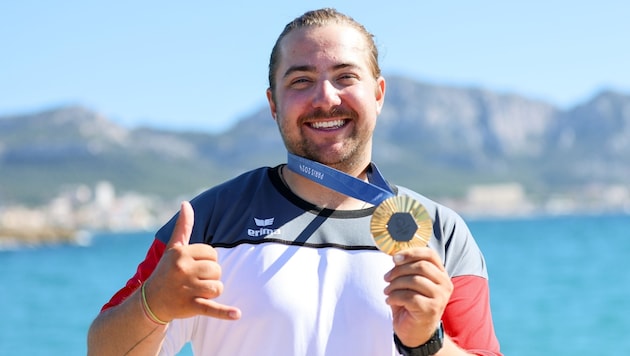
(182, 285)
(125, 330)
(450, 348)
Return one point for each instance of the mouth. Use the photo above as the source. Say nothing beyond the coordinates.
(328, 125)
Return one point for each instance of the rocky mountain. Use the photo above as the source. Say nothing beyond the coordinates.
(436, 139)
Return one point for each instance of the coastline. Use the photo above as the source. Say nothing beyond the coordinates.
(33, 237)
(12, 238)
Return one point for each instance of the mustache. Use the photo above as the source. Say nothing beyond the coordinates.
(334, 112)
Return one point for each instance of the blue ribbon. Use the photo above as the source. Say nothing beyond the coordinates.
(373, 192)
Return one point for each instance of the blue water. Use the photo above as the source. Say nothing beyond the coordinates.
(559, 286)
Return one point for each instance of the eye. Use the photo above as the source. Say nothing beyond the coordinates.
(300, 83)
(347, 78)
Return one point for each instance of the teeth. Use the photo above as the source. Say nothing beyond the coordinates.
(327, 124)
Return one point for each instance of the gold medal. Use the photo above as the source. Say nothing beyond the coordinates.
(400, 222)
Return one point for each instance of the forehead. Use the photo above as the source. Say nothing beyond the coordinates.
(334, 42)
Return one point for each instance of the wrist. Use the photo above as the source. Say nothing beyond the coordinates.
(147, 310)
(431, 347)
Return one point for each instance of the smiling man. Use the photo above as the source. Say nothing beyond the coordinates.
(281, 260)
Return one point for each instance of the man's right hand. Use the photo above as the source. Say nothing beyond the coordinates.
(187, 277)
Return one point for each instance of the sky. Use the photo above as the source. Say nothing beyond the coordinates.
(202, 65)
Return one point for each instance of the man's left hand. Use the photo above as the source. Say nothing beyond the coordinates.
(418, 292)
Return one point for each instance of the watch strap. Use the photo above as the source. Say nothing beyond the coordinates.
(431, 347)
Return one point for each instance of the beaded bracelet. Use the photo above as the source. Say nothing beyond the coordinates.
(147, 310)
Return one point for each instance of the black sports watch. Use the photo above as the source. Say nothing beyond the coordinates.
(429, 348)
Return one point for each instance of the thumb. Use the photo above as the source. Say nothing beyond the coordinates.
(183, 226)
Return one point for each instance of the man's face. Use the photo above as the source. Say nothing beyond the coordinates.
(326, 100)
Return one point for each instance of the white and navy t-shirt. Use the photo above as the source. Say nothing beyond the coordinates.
(310, 281)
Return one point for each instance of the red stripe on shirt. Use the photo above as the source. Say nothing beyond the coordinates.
(144, 270)
(468, 320)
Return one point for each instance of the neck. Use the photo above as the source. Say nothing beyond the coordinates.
(320, 195)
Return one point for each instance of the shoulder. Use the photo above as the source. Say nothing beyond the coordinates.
(439, 213)
(244, 182)
(453, 239)
(228, 196)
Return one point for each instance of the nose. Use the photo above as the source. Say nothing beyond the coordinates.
(326, 95)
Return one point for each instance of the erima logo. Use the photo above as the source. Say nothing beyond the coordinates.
(264, 222)
(263, 229)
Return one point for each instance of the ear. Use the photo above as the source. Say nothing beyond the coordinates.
(380, 94)
(272, 103)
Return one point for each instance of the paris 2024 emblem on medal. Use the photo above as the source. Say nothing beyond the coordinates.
(400, 222)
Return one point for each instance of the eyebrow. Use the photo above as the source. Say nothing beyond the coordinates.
(302, 68)
(310, 68)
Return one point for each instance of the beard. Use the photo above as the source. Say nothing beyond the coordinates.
(344, 154)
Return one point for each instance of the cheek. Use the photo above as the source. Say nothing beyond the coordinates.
(289, 106)
(286, 125)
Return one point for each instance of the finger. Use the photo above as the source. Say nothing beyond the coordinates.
(416, 283)
(183, 226)
(409, 299)
(205, 267)
(213, 309)
(424, 268)
(202, 252)
(432, 302)
(415, 261)
(209, 289)
(419, 253)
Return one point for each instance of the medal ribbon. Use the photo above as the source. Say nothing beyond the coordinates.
(373, 192)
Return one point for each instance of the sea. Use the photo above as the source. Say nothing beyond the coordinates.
(560, 285)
